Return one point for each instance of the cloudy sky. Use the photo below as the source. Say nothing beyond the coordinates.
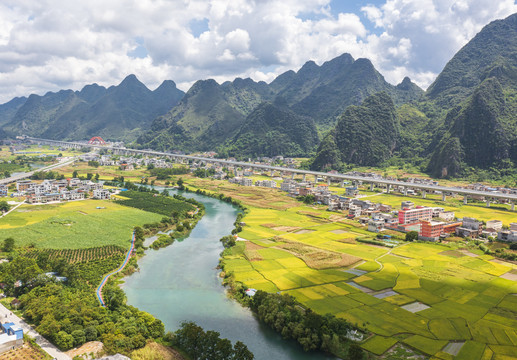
(47, 45)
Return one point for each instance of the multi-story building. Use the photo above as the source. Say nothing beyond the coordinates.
(507, 235)
(24, 185)
(494, 224)
(3, 190)
(431, 230)
(101, 194)
(411, 216)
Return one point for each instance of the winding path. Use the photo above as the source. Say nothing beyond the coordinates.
(122, 266)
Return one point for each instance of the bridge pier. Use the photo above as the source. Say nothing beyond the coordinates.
(328, 180)
(292, 176)
(488, 203)
(443, 196)
(372, 186)
(271, 173)
(513, 206)
(303, 178)
(342, 183)
(424, 194)
(388, 188)
(315, 179)
(465, 200)
(405, 191)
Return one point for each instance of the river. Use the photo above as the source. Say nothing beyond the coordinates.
(181, 283)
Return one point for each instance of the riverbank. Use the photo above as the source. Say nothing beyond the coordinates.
(181, 283)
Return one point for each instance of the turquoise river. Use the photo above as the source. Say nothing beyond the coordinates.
(181, 283)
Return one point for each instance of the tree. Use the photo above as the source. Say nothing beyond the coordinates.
(75, 174)
(180, 183)
(355, 352)
(8, 244)
(7, 174)
(412, 236)
(89, 176)
(96, 177)
(4, 206)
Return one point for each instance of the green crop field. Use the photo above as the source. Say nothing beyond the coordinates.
(74, 225)
(435, 294)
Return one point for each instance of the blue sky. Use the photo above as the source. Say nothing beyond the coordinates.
(49, 45)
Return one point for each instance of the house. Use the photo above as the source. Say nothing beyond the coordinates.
(11, 336)
(507, 235)
(431, 230)
(407, 205)
(351, 191)
(24, 185)
(354, 211)
(3, 190)
(376, 225)
(494, 224)
(126, 167)
(446, 216)
(470, 227)
(513, 226)
(101, 194)
(384, 208)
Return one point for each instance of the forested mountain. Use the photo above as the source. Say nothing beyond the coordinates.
(114, 113)
(467, 118)
(364, 135)
(207, 115)
(210, 114)
(479, 88)
(271, 130)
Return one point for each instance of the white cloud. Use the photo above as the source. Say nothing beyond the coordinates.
(51, 44)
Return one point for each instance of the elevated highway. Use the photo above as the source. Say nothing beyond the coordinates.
(489, 196)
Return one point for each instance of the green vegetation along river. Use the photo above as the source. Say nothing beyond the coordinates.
(181, 282)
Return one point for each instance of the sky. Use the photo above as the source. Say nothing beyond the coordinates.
(49, 45)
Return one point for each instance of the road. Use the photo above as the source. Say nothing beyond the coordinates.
(6, 315)
(64, 162)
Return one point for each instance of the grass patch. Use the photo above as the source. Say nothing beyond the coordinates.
(64, 226)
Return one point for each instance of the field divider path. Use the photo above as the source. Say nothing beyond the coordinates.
(121, 267)
(14, 208)
(381, 265)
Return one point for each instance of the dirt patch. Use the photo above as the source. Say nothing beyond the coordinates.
(82, 212)
(251, 252)
(87, 348)
(336, 217)
(269, 226)
(415, 307)
(304, 231)
(286, 228)
(452, 253)
(348, 241)
(468, 253)
(509, 276)
(338, 231)
(317, 258)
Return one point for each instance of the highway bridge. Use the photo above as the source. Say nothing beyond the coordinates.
(489, 196)
(25, 175)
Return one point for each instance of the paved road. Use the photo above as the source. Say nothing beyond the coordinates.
(29, 173)
(27, 329)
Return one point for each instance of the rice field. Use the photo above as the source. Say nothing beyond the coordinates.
(428, 297)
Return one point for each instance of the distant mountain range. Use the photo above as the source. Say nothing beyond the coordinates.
(340, 112)
(119, 112)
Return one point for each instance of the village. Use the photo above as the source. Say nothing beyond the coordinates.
(431, 223)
